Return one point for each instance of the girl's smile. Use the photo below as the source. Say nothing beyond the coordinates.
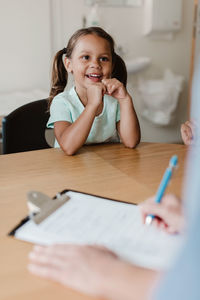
(94, 77)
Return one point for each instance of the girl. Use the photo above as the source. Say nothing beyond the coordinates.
(98, 108)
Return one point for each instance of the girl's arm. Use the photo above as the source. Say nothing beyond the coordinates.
(72, 136)
(128, 126)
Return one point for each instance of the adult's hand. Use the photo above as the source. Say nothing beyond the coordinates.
(92, 270)
(168, 213)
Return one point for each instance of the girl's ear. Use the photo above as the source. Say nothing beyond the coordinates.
(68, 65)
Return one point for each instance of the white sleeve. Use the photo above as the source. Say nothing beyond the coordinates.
(59, 111)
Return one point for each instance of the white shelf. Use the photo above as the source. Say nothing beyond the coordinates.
(114, 2)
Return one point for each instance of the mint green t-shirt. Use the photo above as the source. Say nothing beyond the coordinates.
(67, 106)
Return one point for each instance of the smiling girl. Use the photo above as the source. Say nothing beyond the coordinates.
(98, 108)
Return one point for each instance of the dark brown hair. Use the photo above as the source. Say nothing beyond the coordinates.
(59, 73)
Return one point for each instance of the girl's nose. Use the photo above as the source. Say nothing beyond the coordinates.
(95, 63)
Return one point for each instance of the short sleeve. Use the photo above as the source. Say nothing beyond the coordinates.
(118, 112)
(59, 111)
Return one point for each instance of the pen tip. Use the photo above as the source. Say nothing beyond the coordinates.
(148, 220)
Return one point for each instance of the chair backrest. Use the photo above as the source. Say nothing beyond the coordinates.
(24, 128)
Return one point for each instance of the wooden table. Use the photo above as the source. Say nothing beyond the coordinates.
(108, 170)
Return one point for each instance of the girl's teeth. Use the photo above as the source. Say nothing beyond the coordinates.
(94, 75)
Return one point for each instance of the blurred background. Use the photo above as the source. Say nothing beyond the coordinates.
(158, 39)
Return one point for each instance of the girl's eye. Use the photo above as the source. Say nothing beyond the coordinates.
(104, 58)
(85, 57)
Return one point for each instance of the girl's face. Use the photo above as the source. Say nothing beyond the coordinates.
(91, 61)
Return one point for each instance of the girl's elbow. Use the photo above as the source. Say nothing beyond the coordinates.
(69, 153)
(69, 150)
(133, 143)
(130, 145)
(70, 147)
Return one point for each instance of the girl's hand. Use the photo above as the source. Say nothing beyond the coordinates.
(115, 88)
(168, 213)
(83, 268)
(95, 94)
(187, 132)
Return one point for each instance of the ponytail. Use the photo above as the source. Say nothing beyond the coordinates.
(59, 76)
(119, 70)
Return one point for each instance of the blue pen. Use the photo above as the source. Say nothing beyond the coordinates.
(163, 185)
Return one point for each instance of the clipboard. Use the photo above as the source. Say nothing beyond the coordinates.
(80, 218)
(41, 206)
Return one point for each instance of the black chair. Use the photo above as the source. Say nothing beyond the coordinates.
(24, 128)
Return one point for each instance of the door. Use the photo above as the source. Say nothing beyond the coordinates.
(197, 30)
(195, 44)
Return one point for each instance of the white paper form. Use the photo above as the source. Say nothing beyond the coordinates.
(87, 219)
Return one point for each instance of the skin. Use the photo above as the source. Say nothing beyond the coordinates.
(169, 214)
(92, 270)
(96, 271)
(91, 66)
(187, 132)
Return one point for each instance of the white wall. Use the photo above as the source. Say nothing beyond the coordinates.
(32, 30)
(25, 44)
(25, 52)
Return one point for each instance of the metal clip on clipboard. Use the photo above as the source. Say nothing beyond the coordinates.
(41, 206)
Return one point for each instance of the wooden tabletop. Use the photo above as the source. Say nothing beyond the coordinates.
(107, 170)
